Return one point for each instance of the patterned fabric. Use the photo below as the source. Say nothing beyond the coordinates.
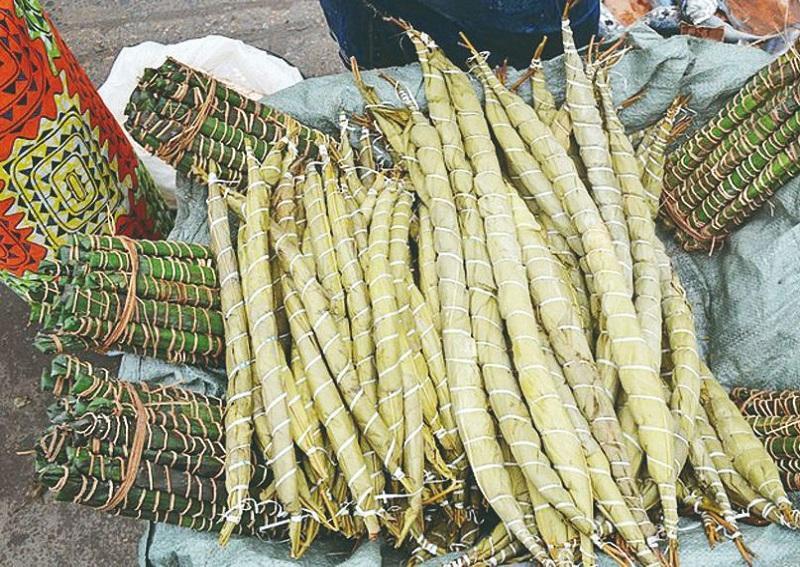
(65, 164)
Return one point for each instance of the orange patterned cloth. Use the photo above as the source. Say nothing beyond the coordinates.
(65, 164)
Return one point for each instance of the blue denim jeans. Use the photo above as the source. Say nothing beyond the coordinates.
(510, 29)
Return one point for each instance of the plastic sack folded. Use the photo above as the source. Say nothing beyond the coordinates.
(745, 314)
(65, 164)
(254, 72)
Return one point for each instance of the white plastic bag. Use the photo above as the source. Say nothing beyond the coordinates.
(251, 71)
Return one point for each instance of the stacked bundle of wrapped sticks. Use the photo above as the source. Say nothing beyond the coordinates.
(775, 417)
(730, 167)
(149, 453)
(484, 349)
(188, 119)
(153, 298)
(494, 312)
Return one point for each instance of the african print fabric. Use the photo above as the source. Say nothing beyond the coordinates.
(65, 164)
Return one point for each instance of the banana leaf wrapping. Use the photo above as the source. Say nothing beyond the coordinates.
(150, 476)
(773, 416)
(141, 503)
(69, 375)
(119, 430)
(767, 402)
(188, 119)
(729, 168)
(783, 447)
(168, 309)
(775, 426)
(87, 455)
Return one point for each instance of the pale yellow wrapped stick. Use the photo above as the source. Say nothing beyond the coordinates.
(469, 400)
(395, 361)
(369, 203)
(359, 308)
(654, 157)
(351, 187)
(543, 101)
(558, 536)
(739, 489)
(504, 394)
(708, 478)
(366, 158)
(431, 345)
(270, 366)
(637, 376)
(426, 268)
(261, 429)
(567, 341)
(520, 486)
(579, 282)
(284, 210)
(559, 439)
(562, 126)
(686, 382)
(238, 362)
(610, 499)
(587, 126)
(338, 423)
(334, 351)
(391, 358)
(399, 265)
(413, 457)
(528, 176)
(347, 162)
(322, 240)
(746, 451)
(641, 228)
(305, 424)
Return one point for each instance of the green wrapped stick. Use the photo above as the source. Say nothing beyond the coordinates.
(752, 162)
(71, 376)
(150, 476)
(202, 465)
(160, 416)
(734, 149)
(160, 248)
(752, 401)
(169, 269)
(775, 426)
(154, 132)
(149, 287)
(59, 343)
(781, 71)
(119, 430)
(180, 346)
(783, 447)
(788, 465)
(777, 172)
(179, 73)
(790, 480)
(78, 302)
(226, 124)
(74, 487)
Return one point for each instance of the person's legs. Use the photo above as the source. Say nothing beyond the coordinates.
(511, 32)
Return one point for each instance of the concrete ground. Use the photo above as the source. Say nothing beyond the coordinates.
(35, 531)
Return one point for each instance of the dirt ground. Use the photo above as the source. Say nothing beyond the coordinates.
(35, 531)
